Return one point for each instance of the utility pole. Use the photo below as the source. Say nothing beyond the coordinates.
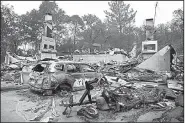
(155, 11)
(74, 37)
(154, 18)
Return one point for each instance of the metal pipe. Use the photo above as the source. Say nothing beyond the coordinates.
(155, 12)
(84, 103)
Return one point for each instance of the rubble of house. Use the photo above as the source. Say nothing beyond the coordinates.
(142, 87)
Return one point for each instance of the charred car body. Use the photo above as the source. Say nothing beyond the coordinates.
(64, 75)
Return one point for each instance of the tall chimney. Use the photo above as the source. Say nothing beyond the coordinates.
(149, 29)
(48, 25)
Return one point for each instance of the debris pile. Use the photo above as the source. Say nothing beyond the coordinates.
(113, 68)
(138, 74)
(11, 76)
(125, 98)
(178, 68)
(175, 114)
(89, 112)
(155, 95)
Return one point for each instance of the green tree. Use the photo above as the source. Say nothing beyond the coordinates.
(31, 28)
(177, 30)
(94, 29)
(120, 20)
(67, 47)
(9, 30)
(172, 32)
(163, 35)
(178, 19)
(76, 25)
(59, 18)
(32, 23)
(121, 16)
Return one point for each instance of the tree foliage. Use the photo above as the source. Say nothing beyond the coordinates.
(94, 28)
(178, 19)
(59, 18)
(172, 32)
(121, 16)
(76, 25)
(9, 30)
(72, 32)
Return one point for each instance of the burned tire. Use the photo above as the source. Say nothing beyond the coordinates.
(88, 112)
(47, 93)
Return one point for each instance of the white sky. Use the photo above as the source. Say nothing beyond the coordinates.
(145, 9)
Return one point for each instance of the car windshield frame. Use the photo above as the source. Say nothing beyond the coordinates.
(75, 64)
(58, 69)
(88, 66)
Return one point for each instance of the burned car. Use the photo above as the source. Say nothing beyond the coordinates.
(51, 76)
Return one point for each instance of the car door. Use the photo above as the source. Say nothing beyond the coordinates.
(74, 70)
(89, 72)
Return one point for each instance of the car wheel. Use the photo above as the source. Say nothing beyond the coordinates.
(47, 93)
(65, 87)
(137, 106)
(63, 90)
(88, 112)
(92, 112)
